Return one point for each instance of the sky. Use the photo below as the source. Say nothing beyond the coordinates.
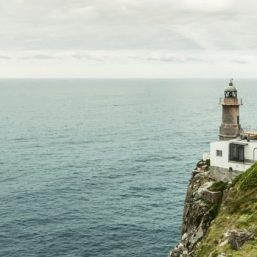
(128, 38)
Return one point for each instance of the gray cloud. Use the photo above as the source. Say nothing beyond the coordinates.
(5, 57)
(40, 57)
(240, 61)
(121, 24)
(164, 32)
(83, 56)
(175, 59)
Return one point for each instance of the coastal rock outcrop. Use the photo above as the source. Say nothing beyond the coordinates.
(201, 205)
(220, 218)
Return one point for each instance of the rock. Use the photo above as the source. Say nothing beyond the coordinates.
(198, 213)
(205, 167)
(184, 236)
(195, 172)
(206, 197)
(179, 251)
(211, 197)
(238, 238)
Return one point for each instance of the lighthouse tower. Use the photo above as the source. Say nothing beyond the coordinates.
(230, 127)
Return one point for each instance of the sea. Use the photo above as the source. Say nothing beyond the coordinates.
(100, 167)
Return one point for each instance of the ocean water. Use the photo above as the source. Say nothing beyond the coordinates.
(100, 167)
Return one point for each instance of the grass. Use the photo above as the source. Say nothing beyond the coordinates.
(249, 178)
(237, 211)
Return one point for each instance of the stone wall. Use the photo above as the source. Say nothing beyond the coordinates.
(222, 174)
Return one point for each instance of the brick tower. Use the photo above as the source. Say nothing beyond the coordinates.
(230, 127)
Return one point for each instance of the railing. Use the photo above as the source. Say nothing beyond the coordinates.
(230, 101)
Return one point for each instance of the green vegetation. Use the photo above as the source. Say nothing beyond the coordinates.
(249, 179)
(218, 186)
(238, 211)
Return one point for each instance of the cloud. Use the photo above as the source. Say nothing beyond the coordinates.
(239, 61)
(5, 57)
(125, 32)
(119, 24)
(40, 57)
(176, 59)
(83, 56)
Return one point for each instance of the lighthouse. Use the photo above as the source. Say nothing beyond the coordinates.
(230, 127)
(236, 150)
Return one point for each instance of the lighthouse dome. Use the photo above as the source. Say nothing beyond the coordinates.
(230, 90)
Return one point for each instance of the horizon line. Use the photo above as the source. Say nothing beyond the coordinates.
(100, 78)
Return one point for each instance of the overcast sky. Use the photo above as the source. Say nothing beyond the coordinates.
(128, 38)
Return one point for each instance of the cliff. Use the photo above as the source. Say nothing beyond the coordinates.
(219, 218)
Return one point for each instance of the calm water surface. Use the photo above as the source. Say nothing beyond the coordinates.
(100, 167)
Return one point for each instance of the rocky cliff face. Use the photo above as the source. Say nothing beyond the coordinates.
(200, 208)
(219, 218)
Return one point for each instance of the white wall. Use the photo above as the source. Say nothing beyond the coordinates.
(219, 161)
(223, 161)
(250, 153)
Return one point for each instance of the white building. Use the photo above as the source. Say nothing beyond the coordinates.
(235, 154)
(236, 150)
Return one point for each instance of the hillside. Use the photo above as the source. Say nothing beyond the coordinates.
(226, 226)
(236, 220)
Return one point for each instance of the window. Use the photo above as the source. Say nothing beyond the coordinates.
(236, 152)
(219, 153)
(229, 94)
